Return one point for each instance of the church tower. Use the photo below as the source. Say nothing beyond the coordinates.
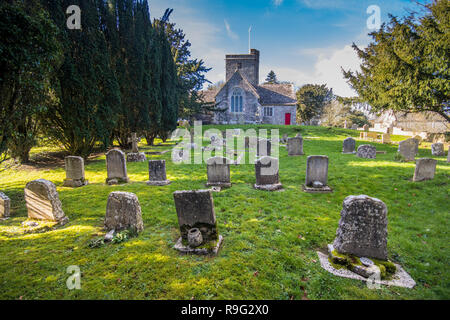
(248, 65)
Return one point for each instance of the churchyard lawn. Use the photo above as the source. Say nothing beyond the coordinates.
(270, 238)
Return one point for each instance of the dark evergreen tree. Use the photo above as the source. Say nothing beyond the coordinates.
(272, 78)
(311, 99)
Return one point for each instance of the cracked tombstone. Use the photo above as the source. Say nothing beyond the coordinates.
(197, 222)
(42, 201)
(157, 173)
(295, 146)
(408, 149)
(116, 167)
(123, 212)
(349, 146)
(218, 170)
(437, 149)
(267, 174)
(74, 172)
(367, 151)
(425, 169)
(135, 155)
(317, 175)
(5, 206)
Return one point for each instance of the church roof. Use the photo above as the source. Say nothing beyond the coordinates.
(209, 96)
(277, 94)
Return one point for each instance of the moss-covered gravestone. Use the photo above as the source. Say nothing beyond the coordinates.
(349, 146)
(408, 149)
(425, 169)
(123, 212)
(157, 173)
(218, 170)
(5, 205)
(366, 151)
(437, 149)
(74, 172)
(197, 221)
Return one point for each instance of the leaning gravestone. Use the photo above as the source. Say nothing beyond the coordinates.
(135, 155)
(317, 175)
(157, 173)
(362, 229)
(197, 221)
(267, 174)
(42, 201)
(5, 206)
(349, 146)
(437, 149)
(408, 149)
(218, 170)
(123, 211)
(425, 169)
(295, 146)
(116, 167)
(74, 172)
(367, 151)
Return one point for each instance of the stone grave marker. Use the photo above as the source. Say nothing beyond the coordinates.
(157, 173)
(218, 170)
(116, 167)
(317, 175)
(123, 211)
(349, 146)
(197, 221)
(408, 149)
(267, 174)
(295, 146)
(135, 155)
(437, 149)
(5, 206)
(42, 201)
(425, 169)
(74, 172)
(385, 138)
(367, 151)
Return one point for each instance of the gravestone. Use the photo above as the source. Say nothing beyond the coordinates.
(317, 175)
(425, 169)
(264, 147)
(362, 228)
(116, 166)
(408, 149)
(157, 173)
(437, 149)
(123, 211)
(135, 155)
(367, 151)
(267, 174)
(218, 170)
(349, 146)
(195, 211)
(42, 201)
(295, 146)
(5, 206)
(74, 172)
(385, 138)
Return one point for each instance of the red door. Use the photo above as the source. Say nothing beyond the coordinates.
(287, 119)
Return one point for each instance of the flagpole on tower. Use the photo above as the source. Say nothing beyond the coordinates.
(249, 39)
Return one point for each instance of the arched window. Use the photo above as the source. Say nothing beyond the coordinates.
(237, 101)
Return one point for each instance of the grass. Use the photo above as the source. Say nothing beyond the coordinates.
(270, 239)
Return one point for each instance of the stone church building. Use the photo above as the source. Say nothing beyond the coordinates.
(242, 100)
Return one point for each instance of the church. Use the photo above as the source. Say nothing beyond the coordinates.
(242, 100)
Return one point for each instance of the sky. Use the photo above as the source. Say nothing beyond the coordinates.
(302, 41)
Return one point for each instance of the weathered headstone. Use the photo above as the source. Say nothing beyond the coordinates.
(42, 201)
(267, 174)
(157, 173)
(116, 166)
(135, 155)
(264, 147)
(74, 172)
(437, 149)
(218, 170)
(123, 211)
(349, 146)
(385, 138)
(5, 206)
(295, 146)
(425, 169)
(317, 175)
(408, 149)
(362, 228)
(367, 151)
(195, 211)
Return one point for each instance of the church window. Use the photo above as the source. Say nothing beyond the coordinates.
(237, 101)
(268, 111)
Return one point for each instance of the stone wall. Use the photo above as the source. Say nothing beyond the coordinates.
(279, 115)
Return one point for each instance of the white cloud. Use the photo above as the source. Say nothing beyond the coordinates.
(277, 2)
(230, 33)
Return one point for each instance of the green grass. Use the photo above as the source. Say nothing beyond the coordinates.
(270, 239)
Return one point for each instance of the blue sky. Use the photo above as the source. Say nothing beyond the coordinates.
(303, 41)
